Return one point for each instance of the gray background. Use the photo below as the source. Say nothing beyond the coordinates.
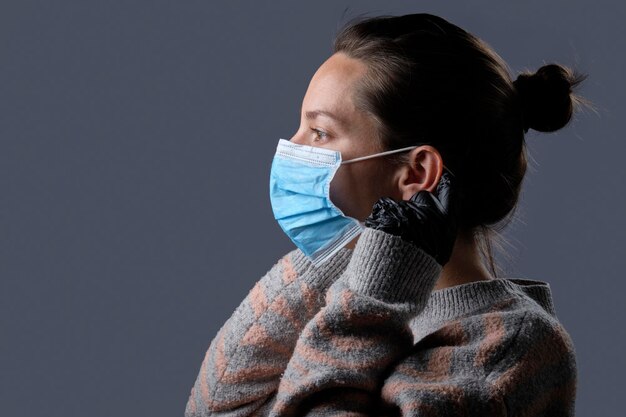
(136, 141)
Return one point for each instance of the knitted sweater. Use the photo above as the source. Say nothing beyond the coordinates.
(364, 334)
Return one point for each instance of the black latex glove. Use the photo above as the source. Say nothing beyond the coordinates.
(427, 220)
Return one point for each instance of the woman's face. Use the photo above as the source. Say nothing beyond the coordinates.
(329, 119)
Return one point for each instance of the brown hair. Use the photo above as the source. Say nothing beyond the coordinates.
(431, 82)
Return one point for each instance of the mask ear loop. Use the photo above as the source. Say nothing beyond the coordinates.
(349, 161)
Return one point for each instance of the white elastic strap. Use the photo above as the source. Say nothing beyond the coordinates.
(378, 154)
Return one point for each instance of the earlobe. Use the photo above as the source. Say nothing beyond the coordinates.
(410, 190)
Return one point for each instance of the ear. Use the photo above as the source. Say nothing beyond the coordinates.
(423, 172)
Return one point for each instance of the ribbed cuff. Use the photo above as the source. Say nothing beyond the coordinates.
(322, 276)
(385, 267)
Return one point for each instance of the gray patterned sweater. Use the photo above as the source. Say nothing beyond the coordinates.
(365, 335)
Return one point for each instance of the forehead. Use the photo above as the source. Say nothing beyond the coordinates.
(332, 86)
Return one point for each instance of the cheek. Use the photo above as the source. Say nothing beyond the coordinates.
(340, 191)
(354, 191)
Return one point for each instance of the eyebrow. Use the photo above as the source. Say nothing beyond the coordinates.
(315, 113)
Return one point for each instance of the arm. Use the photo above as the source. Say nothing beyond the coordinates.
(244, 362)
(342, 354)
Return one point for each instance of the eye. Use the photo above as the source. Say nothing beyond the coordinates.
(319, 134)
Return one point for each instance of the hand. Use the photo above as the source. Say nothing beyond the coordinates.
(427, 220)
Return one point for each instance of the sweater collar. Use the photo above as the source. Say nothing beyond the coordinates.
(452, 302)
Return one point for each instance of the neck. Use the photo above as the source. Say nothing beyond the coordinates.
(465, 264)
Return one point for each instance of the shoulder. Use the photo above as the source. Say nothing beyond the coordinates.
(287, 267)
(495, 361)
(539, 370)
(293, 263)
(275, 280)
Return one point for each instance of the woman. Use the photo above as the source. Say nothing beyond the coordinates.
(386, 307)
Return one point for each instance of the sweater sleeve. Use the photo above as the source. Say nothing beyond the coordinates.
(342, 355)
(243, 364)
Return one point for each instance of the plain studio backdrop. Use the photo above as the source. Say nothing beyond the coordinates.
(136, 142)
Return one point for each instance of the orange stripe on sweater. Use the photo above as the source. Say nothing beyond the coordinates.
(258, 300)
(315, 355)
(437, 369)
(258, 373)
(451, 334)
(358, 318)
(494, 328)
(192, 400)
(286, 386)
(281, 307)
(257, 336)
(351, 343)
(439, 363)
(204, 378)
(289, 273)
(310, 299)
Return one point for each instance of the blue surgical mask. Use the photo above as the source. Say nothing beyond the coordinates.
(300, 196)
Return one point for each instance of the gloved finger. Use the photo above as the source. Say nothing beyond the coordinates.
(446, 192)
(424, 198)
(424, 207)
(384, 214)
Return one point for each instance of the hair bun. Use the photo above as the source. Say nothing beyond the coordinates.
(546, 97)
